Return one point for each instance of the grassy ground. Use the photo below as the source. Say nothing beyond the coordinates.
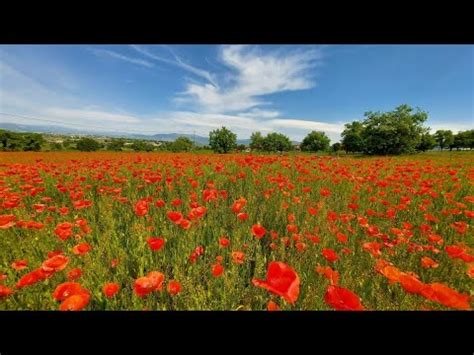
(430, 192)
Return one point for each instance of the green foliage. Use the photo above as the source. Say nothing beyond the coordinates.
(352, 137)
(444, 138)
(395, 132)
(256, 141)
(276, 142)
(222, 140)
(32, 142)
(336, 147)
(56, 146)
(87, 145)
(315, 141)
(142, 146)
(116, 145)
(181, 144)
(11, 141)
(427, 142)
(463, 139)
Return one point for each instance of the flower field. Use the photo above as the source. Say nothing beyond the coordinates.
(164, 231)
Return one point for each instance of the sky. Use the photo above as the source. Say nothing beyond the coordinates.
(291, 89)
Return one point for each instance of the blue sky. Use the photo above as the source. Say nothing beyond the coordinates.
(197, 88)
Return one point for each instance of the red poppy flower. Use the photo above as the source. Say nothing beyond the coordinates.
(217, 270)
(446, 296)
(110, 289)
(64, 230)
(242, 216)
(238, 257)
(56, 263)
(174, 287)
(5, 291)
(258, 231)
(281, 280)
(20, 265)
(152, 282)
(141, 208)
(66, 290)
(224, 242)
(330, 255)
(272, 306)
(34, 277)
(175, 217)
(330, 274)
(427, 262)
(160, 203)
(185, 223)
(155, 243)
(74, 274)
(81, 249)
(7, 221)
(342, 299)
(76, 302)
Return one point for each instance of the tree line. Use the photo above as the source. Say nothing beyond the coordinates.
(400, 131)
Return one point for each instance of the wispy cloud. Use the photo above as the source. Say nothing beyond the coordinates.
(252, 75)
(113, 54)
(177, 62)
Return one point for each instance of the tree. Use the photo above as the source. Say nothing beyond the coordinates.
(222, 140)
(241, 147)
(464, 139)
(56, 146)
(87, 145)
(427, 142)
(32, 142)
(444, 138)
(336, 147)
(11, 141)
(352, 137)
(315, 141)
(256, 141)
(181, 144)
(276, 142)
(141, 146)
(116, 145)
(395, 132)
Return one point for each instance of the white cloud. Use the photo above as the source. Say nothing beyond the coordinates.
(106, 52)
(253, 75)
(177, 62)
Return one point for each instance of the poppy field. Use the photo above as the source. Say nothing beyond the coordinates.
(184, 231)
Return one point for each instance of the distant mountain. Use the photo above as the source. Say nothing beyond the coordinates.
(166, 137)
(64, 130)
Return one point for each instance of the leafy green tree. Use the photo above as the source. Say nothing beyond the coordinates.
(395, 132)
(68, 143)
(336, 147)
(315, 141)
(11, 141)
(116, 145)
(241, 147)
(56, 146)
(222, 140)
(256, 141)
(181, 144)
(87, 145)
(352, 137)
(32, 142)
(142, 146)
(463, 139)
(444, 138)
(427, 142)
(276, 142)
